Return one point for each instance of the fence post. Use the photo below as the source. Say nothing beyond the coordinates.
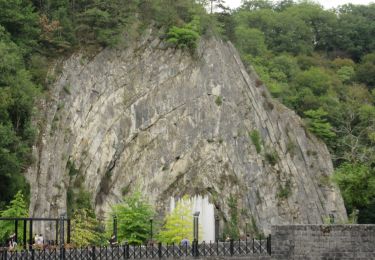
(63, 253)
(269, 244)
(127, 251)
(159, 251)
(30, 234)
(231, 247)
(62, 237)
(16, 230)
(57, 232)
(68, 231)
(246, 248)
(32, 254)
(115, 226)
(24, 233)
(195, 248)
(93, 253)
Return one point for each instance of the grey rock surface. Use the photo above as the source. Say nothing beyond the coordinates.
(169, 123)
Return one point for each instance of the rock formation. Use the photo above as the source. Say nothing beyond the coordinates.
(171, 123)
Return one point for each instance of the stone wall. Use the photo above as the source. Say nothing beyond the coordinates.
(323, 242)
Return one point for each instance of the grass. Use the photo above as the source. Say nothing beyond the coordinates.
(255, 138)
(291, 147)
(286, 191)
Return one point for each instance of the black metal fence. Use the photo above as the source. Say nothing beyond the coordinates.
(231, 248)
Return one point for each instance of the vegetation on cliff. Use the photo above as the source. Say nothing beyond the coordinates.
(320, 63)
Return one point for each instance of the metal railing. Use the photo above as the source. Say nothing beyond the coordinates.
(126, 251)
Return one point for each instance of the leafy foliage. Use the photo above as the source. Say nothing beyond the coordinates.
(320, 63)
(255, 138)
(357, 184)
(17, 93)
(231, 225)
(186, 36)
(16, 208)
(178, 224)
(133, 217)
(85, 229)
(318, 124)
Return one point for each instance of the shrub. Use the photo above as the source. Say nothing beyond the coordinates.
(219, 100)
(185, 37)
(284, 192)
(272, 157)
(255, 138)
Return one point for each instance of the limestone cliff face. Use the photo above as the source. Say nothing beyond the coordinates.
(172, 124)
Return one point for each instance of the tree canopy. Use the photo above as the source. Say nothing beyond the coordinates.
(133, 216)
(178, 224)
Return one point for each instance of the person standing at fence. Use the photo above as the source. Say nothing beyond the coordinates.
(112, 241)
(185, 242)
(39, 240)
(12, 242)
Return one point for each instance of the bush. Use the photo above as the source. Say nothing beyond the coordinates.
(284, 192)
(255, 138)
(185, 37)
(219, 100)
(86, 228)
(272, 157)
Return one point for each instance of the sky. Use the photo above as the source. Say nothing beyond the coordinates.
(326, 3)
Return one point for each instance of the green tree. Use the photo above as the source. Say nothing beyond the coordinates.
(86, 229)
(357, 184)
(366, 70)
(178, 224)
(315, 79)
(17, 95)
(346, 74)
(355, 29)
(16, 208)
(251, 5)
(318, 125)
(354, 122)
(21, 21)
(250, 41)
(133, 217)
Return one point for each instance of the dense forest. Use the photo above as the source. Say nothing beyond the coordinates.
(320, 63)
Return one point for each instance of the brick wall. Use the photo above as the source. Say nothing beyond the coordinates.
(323, 242)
